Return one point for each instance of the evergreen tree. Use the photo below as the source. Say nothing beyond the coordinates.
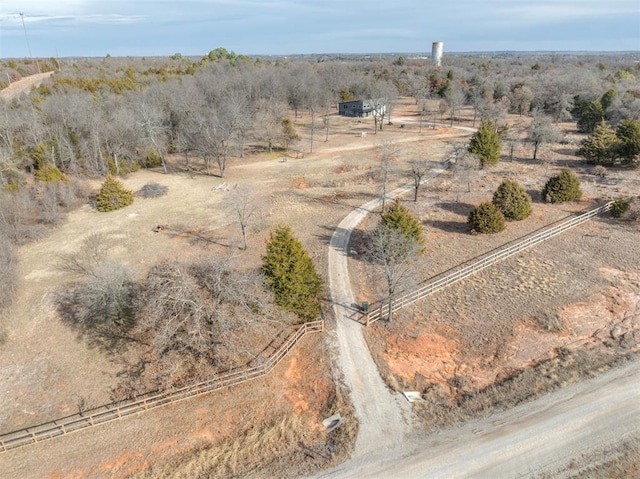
(607, 98)
(289, 134)
(113, 195)
(620, 207)
(601, 147)
(485, 144)
(628, 135)
(399, 218)
(565, 186)
(486, 218)
(292, 275)
(43, 165)
(590, 117)
(512, 200)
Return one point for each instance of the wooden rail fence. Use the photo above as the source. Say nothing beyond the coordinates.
(380, 310)
(113, 412)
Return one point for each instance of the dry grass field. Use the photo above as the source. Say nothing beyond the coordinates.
(576, 292)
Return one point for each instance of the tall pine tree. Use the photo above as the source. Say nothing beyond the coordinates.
(292, 275)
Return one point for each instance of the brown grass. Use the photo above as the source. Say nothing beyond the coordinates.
(619, 462)
(280, 446)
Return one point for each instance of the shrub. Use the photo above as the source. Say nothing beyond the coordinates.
(485, 144)
(512, 200)
(620, 207)
(399, 218)
(124, 167)
(102, 300)
(486, 218)
(565, 186)
(152, 190)
(153, 159)
(49, 172)
(19, 216)
(113, 195)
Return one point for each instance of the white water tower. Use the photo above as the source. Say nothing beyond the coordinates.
(436, 53)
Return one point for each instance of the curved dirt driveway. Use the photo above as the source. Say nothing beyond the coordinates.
(385, 418)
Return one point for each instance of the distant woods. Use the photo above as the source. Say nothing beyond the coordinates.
(114, 115)
(101, 116)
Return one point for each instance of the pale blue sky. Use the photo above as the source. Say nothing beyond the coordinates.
(194, 27)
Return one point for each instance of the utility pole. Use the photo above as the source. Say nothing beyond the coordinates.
(27, 39)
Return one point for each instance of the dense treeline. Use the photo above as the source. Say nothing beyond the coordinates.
(96, 117)
(107, 115)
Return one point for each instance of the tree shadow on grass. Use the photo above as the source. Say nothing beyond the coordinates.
(196, 236)
(112, 339)
(448, 226)
(462, 209)
(536, 196)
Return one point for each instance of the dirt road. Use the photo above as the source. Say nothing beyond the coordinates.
(544, 438)
(23, 85)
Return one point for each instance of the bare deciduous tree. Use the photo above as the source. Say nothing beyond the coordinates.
(101, 299)
(153, 121)
(419, 169)
(542, 131)
(196, 318)
(381, 94)
(8, 277)
(454, 97)
(393, 252)
(522, 98)
(244, 205)
(387, 150)
(463, 167)
(268, 124)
